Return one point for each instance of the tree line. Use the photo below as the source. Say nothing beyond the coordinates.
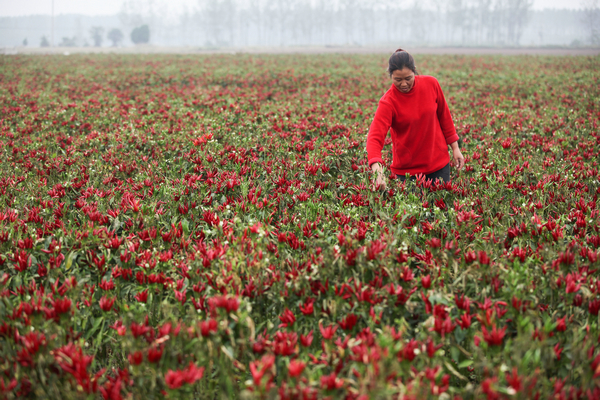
(341, 22)
(240, 23)
(139, 35)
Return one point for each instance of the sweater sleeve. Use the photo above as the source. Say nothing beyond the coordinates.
(378, 131)
(443, 113)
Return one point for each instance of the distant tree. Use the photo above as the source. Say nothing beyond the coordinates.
(217, 19)
(303, 23)
(483, 16)
(186, 27)
(518, 12)
(349, 16)
(255, 14)
(418, 23)
(97, 33)
(131, 13)
(140, 34)
(115, 36)
(456, 16)
(324, 19)
(591, 20)
(68, 42)
(25, 42)
(44, 42)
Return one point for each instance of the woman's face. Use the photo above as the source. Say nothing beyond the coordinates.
(403, 79)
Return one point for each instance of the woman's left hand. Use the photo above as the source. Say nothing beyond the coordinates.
(457, 158)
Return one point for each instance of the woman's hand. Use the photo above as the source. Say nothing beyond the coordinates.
(379, 182)
(458, 161)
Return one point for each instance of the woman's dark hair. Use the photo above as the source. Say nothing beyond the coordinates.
(400, 59)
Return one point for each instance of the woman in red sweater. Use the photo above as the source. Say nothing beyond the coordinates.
(421, 126)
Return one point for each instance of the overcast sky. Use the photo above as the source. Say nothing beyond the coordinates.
(105, 7)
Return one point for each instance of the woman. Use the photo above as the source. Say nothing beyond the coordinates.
(416, 111)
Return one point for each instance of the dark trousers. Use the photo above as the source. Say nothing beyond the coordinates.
(443, 173)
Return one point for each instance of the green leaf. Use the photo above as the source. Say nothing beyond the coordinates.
(185, 224)
(98, 341)
(47, 242)
(454, 353)
(465, 364)
(94, 328)
(70, 260)
(460, 335)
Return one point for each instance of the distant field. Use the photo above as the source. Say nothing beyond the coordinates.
(149, 49)
(202, 226)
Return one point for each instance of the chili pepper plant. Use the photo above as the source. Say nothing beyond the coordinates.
(205, 227)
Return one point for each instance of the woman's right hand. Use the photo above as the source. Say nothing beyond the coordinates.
(379, 182)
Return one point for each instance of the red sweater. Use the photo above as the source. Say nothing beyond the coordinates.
(422, 128)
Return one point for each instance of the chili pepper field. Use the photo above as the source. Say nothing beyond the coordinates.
(204, 227)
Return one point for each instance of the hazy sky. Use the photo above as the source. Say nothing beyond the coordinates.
(104, 7)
